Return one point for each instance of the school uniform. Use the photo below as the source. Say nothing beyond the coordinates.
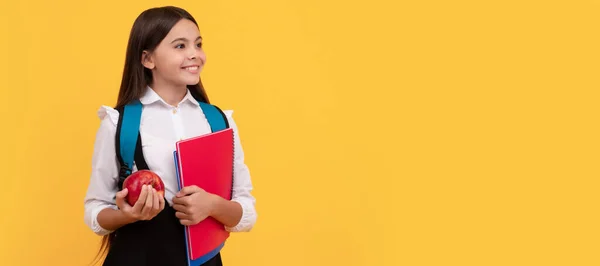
(159, 241)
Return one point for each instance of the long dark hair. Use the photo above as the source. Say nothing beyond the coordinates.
(148, 30)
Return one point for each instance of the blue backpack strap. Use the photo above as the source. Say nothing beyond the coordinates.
(128, 128)
(127, 136)
(215, 116)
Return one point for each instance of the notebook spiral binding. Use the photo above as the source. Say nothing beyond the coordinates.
(232, 163)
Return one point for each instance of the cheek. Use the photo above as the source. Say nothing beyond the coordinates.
(202, 56)
(169, 62)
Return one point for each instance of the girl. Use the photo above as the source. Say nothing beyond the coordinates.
(163, 61)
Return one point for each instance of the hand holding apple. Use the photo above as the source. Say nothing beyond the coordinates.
(148, 205)
(134, 183)
(193, 205)
(142, 196)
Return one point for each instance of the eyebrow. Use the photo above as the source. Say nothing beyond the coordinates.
(184, 39)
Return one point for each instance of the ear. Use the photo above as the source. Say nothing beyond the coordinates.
(147, 60)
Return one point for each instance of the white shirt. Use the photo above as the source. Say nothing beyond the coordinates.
(160, 127)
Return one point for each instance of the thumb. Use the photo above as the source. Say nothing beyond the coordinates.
(187, 190)
(120, 199)
(121, 194)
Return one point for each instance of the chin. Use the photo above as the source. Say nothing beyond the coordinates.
(188, 81)
(193, 82)
(192, 79)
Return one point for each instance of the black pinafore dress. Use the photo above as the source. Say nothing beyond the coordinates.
(157, 242)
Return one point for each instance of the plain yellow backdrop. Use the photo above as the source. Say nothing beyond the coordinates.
(376, 132)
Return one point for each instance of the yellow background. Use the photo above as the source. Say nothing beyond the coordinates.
(377, 132)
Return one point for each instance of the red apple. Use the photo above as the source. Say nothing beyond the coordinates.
(135, 181)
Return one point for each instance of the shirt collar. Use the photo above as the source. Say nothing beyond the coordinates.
(150, 96)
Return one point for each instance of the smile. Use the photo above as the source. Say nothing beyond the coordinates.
(192, 69)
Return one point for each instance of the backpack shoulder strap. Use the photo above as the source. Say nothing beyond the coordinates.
(127, 142)
(127, 135)
(215, 116)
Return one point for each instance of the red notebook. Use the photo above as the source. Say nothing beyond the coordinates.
(207, 162)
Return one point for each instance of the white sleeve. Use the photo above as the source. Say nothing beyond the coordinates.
(105, 171)
(242, 185)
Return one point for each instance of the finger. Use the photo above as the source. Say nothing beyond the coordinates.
(186, 222)
(149, 199)
(155, 203)
(188, 190)
(184, 200)
(139, 204)
(181, 215)
(161, 201)
(179, 207)
(176, 200)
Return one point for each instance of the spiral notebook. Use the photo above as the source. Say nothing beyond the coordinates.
(207, 162)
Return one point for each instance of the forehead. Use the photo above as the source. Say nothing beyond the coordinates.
(183, 29)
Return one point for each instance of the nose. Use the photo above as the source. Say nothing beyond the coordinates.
(193, 54)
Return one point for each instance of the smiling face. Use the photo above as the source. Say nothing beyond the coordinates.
(178, 59)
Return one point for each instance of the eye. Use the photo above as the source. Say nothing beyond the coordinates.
(180, 46)
(199, 45)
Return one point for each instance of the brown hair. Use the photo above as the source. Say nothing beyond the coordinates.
(148, 30)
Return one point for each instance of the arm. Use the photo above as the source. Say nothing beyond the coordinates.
(104, 176)
(225, 211)
(193, 204)
(106, 209)
(111, 219)
(239, 214)
(148, 205)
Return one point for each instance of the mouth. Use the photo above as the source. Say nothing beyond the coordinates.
(191, 69)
